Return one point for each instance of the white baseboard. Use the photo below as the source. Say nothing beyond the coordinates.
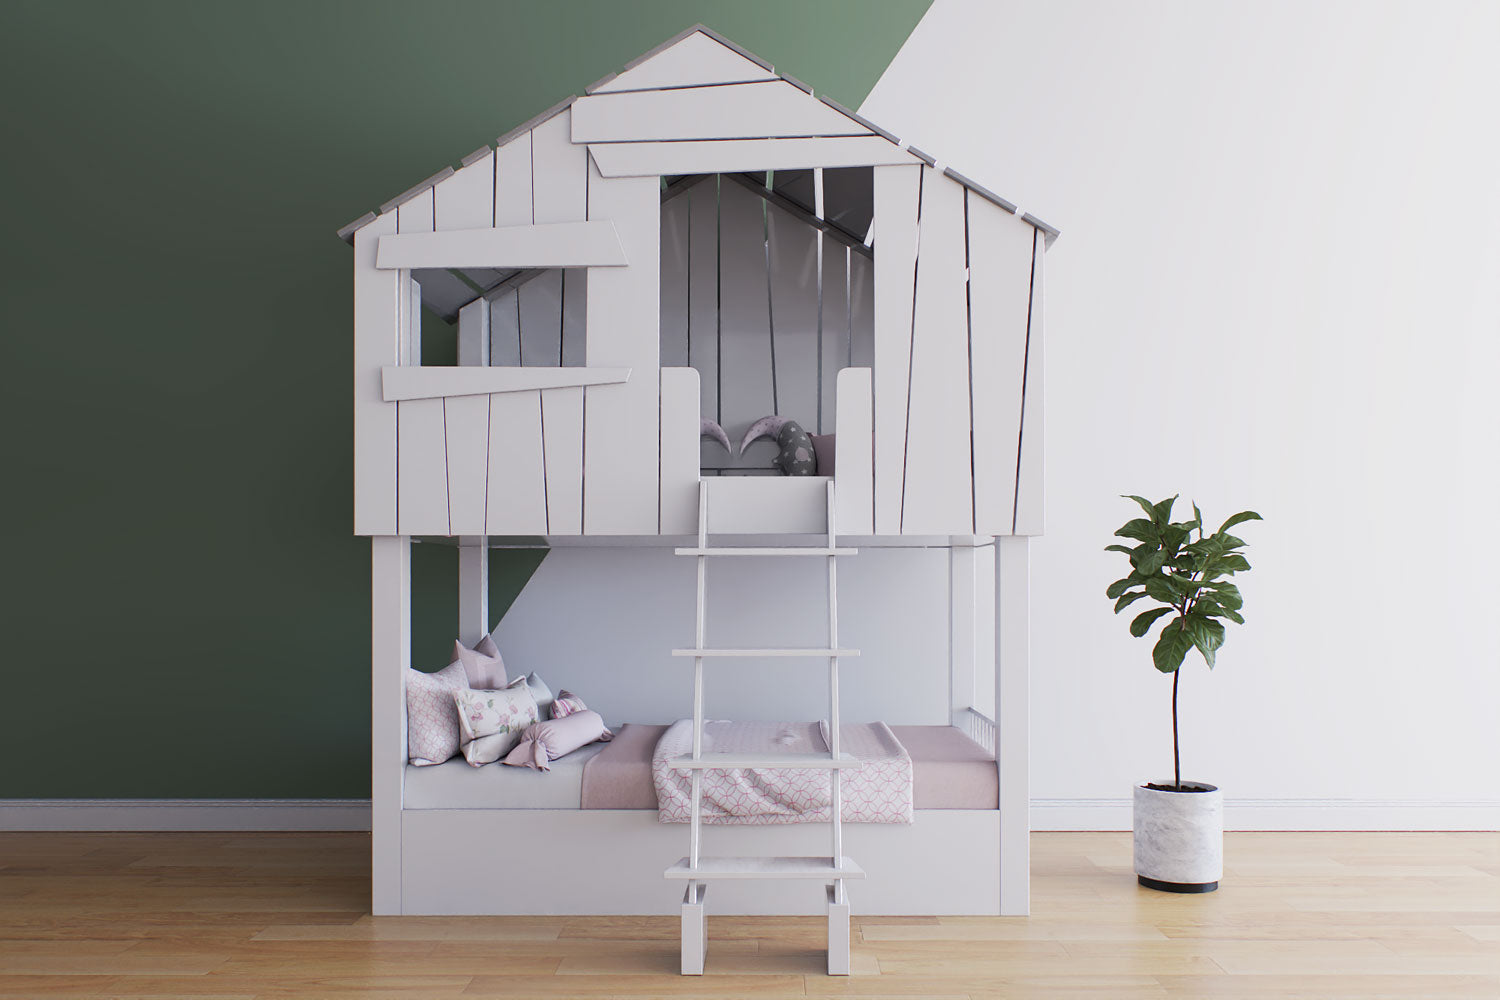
(1284, 814)
(184, 814)
(1046, 814)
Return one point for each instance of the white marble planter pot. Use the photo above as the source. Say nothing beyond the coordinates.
(1179, 838)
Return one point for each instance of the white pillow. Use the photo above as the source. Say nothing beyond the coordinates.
(541, 692)
(431, 719)
(490, 723)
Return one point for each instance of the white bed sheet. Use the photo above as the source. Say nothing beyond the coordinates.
(457, 785)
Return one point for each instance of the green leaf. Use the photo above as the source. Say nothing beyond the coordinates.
(1173, 535)
(1162, 512)
(1231, 562)
(1126, 600)
(1207, 635)
(1149, 562)
(1145, 504)
(1173, 645)
(1119, 548)
(1226, 594)
(1118, 587)
(1241, 517)
(1140, 529)
(1197, 517)
(1160, 589)
(1143, 621)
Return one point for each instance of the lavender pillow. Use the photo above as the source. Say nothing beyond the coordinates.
(566, 704)
(823, 449)
(547, 741)
(482, 664)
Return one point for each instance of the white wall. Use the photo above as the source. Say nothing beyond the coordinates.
(1278, 286)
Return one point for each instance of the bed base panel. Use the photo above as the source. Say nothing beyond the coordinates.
(565, 861)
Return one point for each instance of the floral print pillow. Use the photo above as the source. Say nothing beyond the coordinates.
(490, 723)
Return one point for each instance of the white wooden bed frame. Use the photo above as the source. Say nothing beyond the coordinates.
(564, 450)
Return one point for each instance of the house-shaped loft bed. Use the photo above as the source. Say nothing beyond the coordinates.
(701, 238)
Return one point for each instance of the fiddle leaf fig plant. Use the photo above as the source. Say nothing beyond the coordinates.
(1187, 578)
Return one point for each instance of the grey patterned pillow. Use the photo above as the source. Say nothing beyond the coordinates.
(796, 457)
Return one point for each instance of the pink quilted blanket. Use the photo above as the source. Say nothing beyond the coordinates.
(879, 791)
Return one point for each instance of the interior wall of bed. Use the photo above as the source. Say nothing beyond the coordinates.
(599, 621)
(767, 291)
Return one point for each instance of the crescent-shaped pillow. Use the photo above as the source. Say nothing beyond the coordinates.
(797, 457)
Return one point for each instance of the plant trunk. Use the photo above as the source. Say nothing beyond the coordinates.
(1176, 757)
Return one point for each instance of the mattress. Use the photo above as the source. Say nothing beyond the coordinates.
(949, 771)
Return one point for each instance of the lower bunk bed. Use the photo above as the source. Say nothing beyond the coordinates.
(588, 836)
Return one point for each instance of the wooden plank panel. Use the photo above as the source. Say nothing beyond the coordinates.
(390, 656)
(1013, 720)
(833, 350)
(897, 194)
(862, 310)
(516, 503)
(431, 383)
(467, 427)
(695, 60)
(621, 421)
(562, 439)
(794, 315)
(674, 281)
(376, 332)
(466, 200)
(558, 244)
(773, 108)
(542, 319)
(854, 474)
(505, 329)
(772, 505)
(703, 291)
(652, 159)
(1030, 485)
(575, 316)
(560, 172)
(937, 495)
(745, 385)
(513, 182)
(474, 333)
(422, 478)
(679, 451)
(1000, 251)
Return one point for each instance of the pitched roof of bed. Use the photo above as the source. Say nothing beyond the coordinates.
(636, 75)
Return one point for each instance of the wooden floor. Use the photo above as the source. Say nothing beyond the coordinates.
(1322, 916)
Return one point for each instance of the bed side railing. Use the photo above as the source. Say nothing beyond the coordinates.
(976, 726)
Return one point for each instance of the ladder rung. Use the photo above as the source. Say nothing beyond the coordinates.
(791, 550)
(816, 653)
(766, 867)
(768, 761)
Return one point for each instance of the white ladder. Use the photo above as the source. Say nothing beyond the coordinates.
(697, 869)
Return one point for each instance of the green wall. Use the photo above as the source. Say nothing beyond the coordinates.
(185, 609)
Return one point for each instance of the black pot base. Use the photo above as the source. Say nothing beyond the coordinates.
(1160, 886)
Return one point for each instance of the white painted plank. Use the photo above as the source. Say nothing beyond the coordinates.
(513, 182)
(763, 551)
(897, 194)
(794, 313)
(833, 349)
(562, 437)
(694, 61)
(505, 329)
(414, 216)
(679, 451)
(1031, 484)
(560, 172)
(838, 934)
(516, 503)
(746, 390)
(466, 199)
(766, 867)
(694, 929)
(937, 495)
(1013, 720)
(770, 761)
(963, 594)
(862, 310)
(854, 473)
(674, 281)
(405, 383)
(542, 319)
(1000, 251)
(466, 422)
(474, 333)
(390, 657)
(773, 108)
(422, 480)
(559, 244)
(652, 159)
(703, 291)
(473, 590)
(376, 333)
(621, 442)
(575, 316)
(767, 505)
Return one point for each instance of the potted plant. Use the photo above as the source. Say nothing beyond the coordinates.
(1179, 825)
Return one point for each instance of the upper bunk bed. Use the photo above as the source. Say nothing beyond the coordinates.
(698, 239)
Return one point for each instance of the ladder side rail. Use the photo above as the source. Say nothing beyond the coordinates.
(695, 830)
(836, 798)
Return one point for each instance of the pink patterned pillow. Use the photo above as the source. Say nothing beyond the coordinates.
(431, 719)
(566, 704)
(482, 664)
